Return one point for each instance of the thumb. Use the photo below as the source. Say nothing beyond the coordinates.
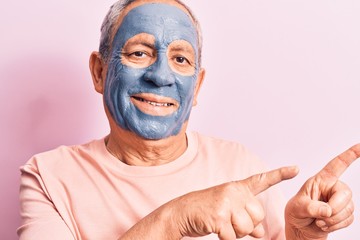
(315, 209)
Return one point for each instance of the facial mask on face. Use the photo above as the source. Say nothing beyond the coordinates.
(156, 86)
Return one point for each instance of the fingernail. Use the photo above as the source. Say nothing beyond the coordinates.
(294, 168)
(325, 211)
(321, 224)
(324, 229)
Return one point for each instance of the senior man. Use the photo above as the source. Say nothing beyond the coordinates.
(150, 178)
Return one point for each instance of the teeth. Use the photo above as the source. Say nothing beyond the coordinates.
(158, 104)
(155, 103)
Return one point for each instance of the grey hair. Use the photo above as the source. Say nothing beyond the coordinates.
(109, 23)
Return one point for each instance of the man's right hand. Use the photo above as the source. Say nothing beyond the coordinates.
(230, 210)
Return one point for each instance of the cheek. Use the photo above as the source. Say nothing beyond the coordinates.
(126, 77)
(186, 86)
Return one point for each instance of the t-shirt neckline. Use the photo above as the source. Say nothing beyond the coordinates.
(119, 167)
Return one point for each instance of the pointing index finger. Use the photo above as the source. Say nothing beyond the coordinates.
(339, 164)
(260, 182)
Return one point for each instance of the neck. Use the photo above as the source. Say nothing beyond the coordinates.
(136, 151)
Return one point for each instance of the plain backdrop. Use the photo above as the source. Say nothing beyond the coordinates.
(283, 78)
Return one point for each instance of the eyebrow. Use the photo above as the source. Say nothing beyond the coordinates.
(141, 42)
(182, 48)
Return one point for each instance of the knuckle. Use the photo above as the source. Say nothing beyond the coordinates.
(258, 231)
(221, 216)
(262, 176)
(345, 188)
(228, 190)
(259, 182)
(348, 192)
(350, 209)
(255, 211)
(260, 216)
(230, 187)
(331, 221)
(334, 225)
(244, 230)
(347, 222)
(355, 150)
(243, 224)
(224, 193)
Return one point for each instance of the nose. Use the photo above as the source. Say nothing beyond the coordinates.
(160, 73)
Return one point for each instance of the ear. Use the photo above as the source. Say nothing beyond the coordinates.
(199, 82)
(98, 71)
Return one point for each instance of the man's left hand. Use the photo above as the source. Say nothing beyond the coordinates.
(323, 204)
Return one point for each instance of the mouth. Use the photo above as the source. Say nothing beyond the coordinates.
(158, 104)
(154, 104)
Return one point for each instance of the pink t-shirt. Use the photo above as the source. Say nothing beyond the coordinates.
(83, 192)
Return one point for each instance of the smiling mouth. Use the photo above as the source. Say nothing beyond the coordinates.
(157, 104)
(154, 105)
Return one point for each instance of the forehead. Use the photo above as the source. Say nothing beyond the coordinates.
(167, 22)
(138, 3)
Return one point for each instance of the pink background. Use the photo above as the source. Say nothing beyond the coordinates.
(283, 78)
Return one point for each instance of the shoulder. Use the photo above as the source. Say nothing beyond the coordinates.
(60, 158)
(231, 155)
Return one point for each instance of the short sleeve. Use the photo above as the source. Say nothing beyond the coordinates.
(39, 218)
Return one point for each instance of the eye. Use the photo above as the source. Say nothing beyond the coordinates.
(138, 54)
(181, 60)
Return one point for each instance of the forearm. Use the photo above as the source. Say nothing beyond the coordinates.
(159, 224)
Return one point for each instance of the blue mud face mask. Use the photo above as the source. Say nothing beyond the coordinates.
(166, 24)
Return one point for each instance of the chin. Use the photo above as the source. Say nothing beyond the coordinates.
(157, 131)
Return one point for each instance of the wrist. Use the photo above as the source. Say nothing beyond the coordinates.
(167, 215)
(293, 233)
(159, 224)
